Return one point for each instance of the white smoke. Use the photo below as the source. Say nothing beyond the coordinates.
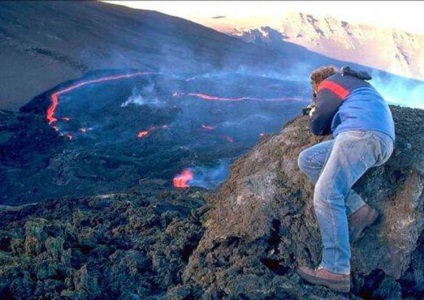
(402, 92)
(209, 177)
(137, 97)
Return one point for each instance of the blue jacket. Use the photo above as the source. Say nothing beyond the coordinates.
(345, 102)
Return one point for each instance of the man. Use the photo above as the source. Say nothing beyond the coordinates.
(363, 136)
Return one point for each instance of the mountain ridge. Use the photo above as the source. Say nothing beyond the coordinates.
(393, 50)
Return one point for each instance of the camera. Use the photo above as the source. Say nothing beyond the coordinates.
(307, 110)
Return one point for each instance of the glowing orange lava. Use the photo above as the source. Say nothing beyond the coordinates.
(142, 134)
(215, 98)
(181, 180)
(52, 108)
(55, 96)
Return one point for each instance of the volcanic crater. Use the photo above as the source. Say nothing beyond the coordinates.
(112, 129)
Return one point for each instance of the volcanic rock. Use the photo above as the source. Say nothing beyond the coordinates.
(128, 246)
(262, 226)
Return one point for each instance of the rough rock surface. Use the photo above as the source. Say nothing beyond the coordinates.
(262, 226)
(128, 246)
(244, 242)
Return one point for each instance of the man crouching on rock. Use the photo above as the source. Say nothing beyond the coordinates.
(363, 136)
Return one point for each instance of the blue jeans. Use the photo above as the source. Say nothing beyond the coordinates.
(334, 166)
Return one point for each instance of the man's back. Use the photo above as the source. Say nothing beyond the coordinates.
(364, 109)
(345, 102)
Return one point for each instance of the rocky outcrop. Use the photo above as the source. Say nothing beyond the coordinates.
(263, 226)
(243, 242)
(129, 246)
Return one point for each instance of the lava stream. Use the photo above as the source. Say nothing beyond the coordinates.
(215, 98)
(55, 96)
(208, 127)
(144, 133)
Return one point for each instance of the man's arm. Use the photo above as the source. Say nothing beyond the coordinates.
(327, 104)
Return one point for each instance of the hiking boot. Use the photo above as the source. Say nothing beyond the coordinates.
(336, 282)
(364, 217)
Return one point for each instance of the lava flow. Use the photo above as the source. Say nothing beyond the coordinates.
(58, 118)
(55, 96)
(208, 127)
(215, 98)
(181, 180)
(144, 133)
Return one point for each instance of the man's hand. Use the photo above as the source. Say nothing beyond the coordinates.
(311, 111)
(308, 110)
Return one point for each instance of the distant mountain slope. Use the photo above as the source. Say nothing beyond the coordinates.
(391, 50)
(43, 43)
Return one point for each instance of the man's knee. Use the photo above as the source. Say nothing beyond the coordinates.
(321, 196)
(302, 161)
(326, 195)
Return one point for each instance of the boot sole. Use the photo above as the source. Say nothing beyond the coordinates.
(339, 286)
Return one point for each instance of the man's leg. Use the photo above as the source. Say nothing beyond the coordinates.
(351, 156)
(312, 160)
